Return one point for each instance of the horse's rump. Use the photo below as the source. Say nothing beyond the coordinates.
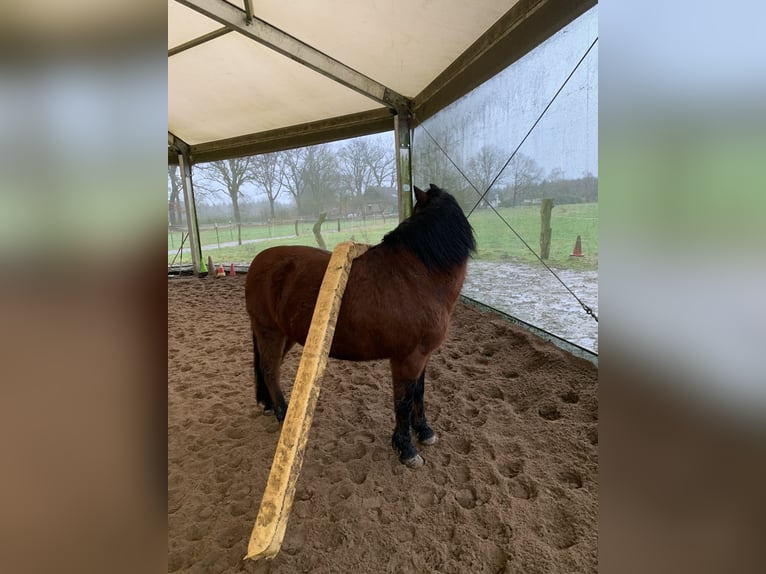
(282, 287)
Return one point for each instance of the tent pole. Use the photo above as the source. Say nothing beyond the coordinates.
(184, 162)
(402, 132)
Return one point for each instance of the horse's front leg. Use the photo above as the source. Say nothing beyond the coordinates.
(424, 432)
(405, 379)
(404, 393)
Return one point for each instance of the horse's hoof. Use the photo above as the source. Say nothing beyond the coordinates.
(429, 440)
(267, 411)
(414, 462)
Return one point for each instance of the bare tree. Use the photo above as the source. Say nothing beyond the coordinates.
(267, 171)
(433, 165)
(293, 174)
(364, 163)
(523, 174)
(232, 174)
(174, 199)
(354, 166)
(382, 161)
(320, 176)
(311, 176)
(483, 168)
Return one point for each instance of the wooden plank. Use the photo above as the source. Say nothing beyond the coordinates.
(271, 522)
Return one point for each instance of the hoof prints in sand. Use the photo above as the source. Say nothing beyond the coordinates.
(509, 487)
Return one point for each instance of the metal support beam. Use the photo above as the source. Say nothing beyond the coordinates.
(402, 131)
(184, 161)
(274, 38)
(177, 145)
(311, 133)
(199, 40)
(249, 11)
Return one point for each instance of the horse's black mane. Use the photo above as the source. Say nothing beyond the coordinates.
(437, 232)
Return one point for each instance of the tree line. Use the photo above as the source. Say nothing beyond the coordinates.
(511, 182)
(313, 179)
(347, 178)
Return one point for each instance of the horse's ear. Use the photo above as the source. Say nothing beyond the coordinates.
(420, 195)
(433, 190)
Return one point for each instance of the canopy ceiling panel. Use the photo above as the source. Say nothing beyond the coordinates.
(403, 45)
(184, 24)
(307, 71)
(245, 88)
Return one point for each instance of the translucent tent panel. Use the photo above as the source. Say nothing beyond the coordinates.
(558, 160)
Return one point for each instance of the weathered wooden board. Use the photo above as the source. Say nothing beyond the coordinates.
(271, 522)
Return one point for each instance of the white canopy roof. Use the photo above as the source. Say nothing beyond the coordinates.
(262, 75)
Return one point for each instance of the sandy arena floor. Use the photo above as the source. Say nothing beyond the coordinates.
(511, 486)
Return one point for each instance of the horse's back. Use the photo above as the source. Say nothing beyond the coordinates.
(387, 310)
(282, 286)
(274, 258)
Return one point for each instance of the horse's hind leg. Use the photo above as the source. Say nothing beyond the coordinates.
(262, 395)
(419, 424)
(272, 346)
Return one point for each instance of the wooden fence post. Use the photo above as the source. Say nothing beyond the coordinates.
(545, 230)
(318, 231)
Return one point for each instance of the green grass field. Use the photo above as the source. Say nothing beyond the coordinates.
(498, 243)
(228, 233)
(495, 241)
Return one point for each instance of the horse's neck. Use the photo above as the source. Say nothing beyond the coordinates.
(396, 260)
(443, 287)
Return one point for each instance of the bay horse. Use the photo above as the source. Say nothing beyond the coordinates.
(397, 305)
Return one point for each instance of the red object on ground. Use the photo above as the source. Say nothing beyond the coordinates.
(577, 248)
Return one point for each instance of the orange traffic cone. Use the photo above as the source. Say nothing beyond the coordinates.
(577, 252)
(220, 272)
(232, 272)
